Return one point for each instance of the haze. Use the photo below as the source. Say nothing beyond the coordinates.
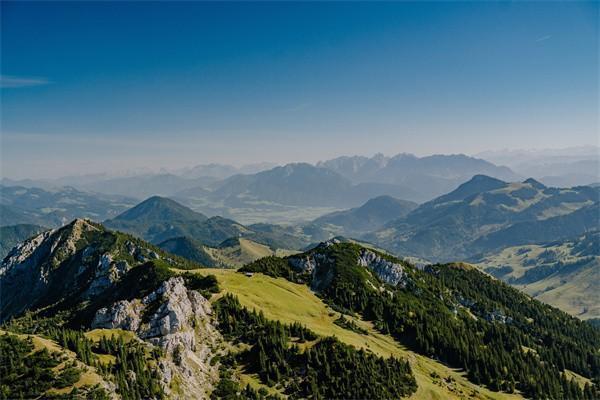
(91, 87)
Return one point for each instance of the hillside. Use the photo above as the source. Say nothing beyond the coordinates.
(151, 323)
(126, 308)
(159, 219)
(485, 214)
(55, 207)
(10, 236)
(372, 215)
(112, 300)
(231, 253)
(296, 303)
(74, 263)
(437, 310)
(563, 273)
(189, 249)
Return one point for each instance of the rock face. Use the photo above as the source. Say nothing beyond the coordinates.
(179, 321)
(387, 271)
(316, 265)
(37, 271)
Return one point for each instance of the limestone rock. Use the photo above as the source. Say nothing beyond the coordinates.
(389, 272)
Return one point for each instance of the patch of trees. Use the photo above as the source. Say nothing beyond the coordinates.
(133, 368)
(136, 379)
(276, 267)
(350, 325)
(327, 369)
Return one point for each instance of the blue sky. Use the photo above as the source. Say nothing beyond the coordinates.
(99, 86)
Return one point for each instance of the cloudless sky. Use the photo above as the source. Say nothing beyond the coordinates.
(96, 86)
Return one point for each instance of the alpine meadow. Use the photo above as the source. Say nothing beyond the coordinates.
(299, 200)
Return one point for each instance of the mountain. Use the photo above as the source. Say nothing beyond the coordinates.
(564, 273)
(300, 185)
(231, 253)
(350, 181)
(10, 236)
(427, 177)
(451, 312)
(21, 205)
(189, 249)
(370, 216)
(485, 214)
(293, 184)
(222, 171)
(566, 167)
(112, 302)
(158, 219)
(73, 263)
(119, 308)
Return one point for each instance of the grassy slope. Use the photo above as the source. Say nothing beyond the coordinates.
(89, 376)
(285, 301)
(246, 252)
(576, 293)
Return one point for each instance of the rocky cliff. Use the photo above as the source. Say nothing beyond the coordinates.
(180, 322)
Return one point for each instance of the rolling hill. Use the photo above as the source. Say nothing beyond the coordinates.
(55, 207)
(563, 273)
(189, 249)
(446, 312)
(126, 308)
(158, 218)
(231, 253)
(371, 216)
(485, 214)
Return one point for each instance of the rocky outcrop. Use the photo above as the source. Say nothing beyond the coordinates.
(179, 321)
(106, 273)
(388, 271)
(317, 265)
(22, 251)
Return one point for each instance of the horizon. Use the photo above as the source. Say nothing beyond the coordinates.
(177, 170)
(181, 84)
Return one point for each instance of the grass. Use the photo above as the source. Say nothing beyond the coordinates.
(97, 334)
(236, 256)
(282, 300)
(89, 376)
(581, 380)
(575, 292)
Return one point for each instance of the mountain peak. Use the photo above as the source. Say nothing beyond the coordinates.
(477, 184)
(163, 207)
(534, 183)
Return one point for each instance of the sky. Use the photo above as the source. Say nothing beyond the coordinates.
(103, 86)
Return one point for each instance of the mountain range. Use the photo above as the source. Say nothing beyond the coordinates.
(55, 207)
(554, 167)
(116, 307)
(158, 219)
(294, 192)
(370, 216)
(485, 214)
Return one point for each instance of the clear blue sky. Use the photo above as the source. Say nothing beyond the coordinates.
(100, 86)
